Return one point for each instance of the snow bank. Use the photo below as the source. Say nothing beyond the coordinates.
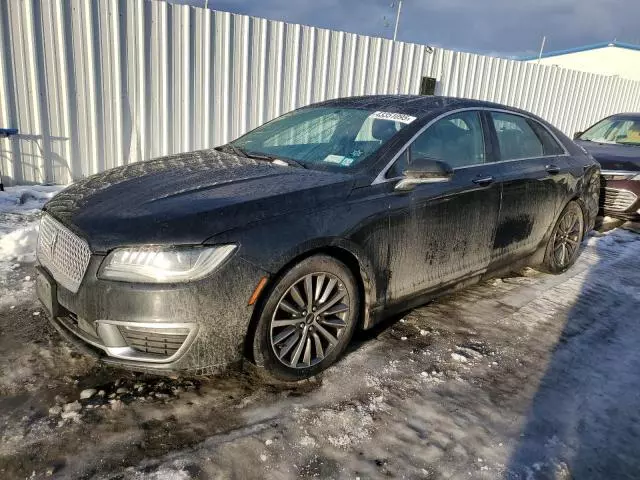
(19, 245)
(24, 199)
(19, 211)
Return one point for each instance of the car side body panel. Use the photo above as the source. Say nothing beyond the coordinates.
(531, 199)
(534, 193)
(430, 231)
(358, 225)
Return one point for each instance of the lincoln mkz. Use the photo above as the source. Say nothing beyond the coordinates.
(277, 246)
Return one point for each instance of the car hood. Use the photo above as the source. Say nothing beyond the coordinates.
(187, 198)
(614, 157)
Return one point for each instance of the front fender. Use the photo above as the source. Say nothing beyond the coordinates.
(338, 245)
(276, 245)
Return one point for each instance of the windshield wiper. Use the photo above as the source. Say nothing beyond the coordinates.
(272, 159)
(235, 150)
(241, 152)
(290, 162)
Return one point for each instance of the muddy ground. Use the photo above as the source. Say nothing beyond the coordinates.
(527, 377)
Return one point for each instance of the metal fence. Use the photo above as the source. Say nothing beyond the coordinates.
(95, 84)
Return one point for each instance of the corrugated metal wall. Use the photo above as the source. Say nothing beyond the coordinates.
(95, 84)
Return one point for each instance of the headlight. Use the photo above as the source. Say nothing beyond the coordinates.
(637, 177)
(163, 264)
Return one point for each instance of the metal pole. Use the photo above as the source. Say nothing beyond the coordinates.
(544, 40)
(395, 31)
(5, 133)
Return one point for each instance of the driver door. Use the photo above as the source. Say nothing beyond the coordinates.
(443, 232)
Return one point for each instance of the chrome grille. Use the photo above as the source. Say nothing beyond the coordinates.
(63, 253)
(617, 200)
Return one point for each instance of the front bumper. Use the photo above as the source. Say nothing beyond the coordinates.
(620, 198)
(197, 326)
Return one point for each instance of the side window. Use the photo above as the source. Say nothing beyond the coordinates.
(457, 140)
(516, 137)
(550, 144)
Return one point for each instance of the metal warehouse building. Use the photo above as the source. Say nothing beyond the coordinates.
(621, 59)
(92, 85)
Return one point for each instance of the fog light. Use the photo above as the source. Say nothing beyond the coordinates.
(156, 341)
(146, 342)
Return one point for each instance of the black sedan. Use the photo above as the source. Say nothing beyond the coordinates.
(615, 144)
(277, 246)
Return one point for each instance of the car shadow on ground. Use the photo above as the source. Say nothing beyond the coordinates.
(361, 337)
(584, 419)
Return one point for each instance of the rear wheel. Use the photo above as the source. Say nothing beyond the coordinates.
(564, 244)
(307, 320)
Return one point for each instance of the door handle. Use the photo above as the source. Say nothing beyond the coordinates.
(552, 169)
(483, 180)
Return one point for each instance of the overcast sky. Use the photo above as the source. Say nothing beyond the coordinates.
(502, 27)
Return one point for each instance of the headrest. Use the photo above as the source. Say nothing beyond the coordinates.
(383, 130)
(634, 131)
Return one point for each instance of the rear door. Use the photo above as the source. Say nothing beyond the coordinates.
(533, 177)
(443, 232)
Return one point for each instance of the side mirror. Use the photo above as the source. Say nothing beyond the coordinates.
(424, 170)
(577, 135)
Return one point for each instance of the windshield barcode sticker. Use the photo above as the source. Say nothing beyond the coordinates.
(334, 158)
(394, 117)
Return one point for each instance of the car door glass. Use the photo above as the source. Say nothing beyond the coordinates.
(457, 140)
(516, 137)
(550, 144)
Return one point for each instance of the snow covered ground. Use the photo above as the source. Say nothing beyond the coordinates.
(19, 213)
(527, 377)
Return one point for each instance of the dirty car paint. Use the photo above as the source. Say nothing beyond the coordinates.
(403, 246)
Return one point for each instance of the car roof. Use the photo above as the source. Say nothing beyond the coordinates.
(416, 105)
(629, 115)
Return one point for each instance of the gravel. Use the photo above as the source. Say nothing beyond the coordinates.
(87, 393)
(72, 407)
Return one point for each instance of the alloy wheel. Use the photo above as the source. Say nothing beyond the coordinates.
(567, 238)
(309, 320)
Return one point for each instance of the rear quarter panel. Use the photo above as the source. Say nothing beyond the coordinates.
(585, 173)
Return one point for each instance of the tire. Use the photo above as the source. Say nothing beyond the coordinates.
(563, 247)
(291, 343)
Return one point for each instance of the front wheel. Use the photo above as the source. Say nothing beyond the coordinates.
(307, 320)
(563, 247)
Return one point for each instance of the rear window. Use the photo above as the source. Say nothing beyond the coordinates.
(549, 143)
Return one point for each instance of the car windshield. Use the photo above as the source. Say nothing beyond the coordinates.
(322, 137)
(616, 130)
